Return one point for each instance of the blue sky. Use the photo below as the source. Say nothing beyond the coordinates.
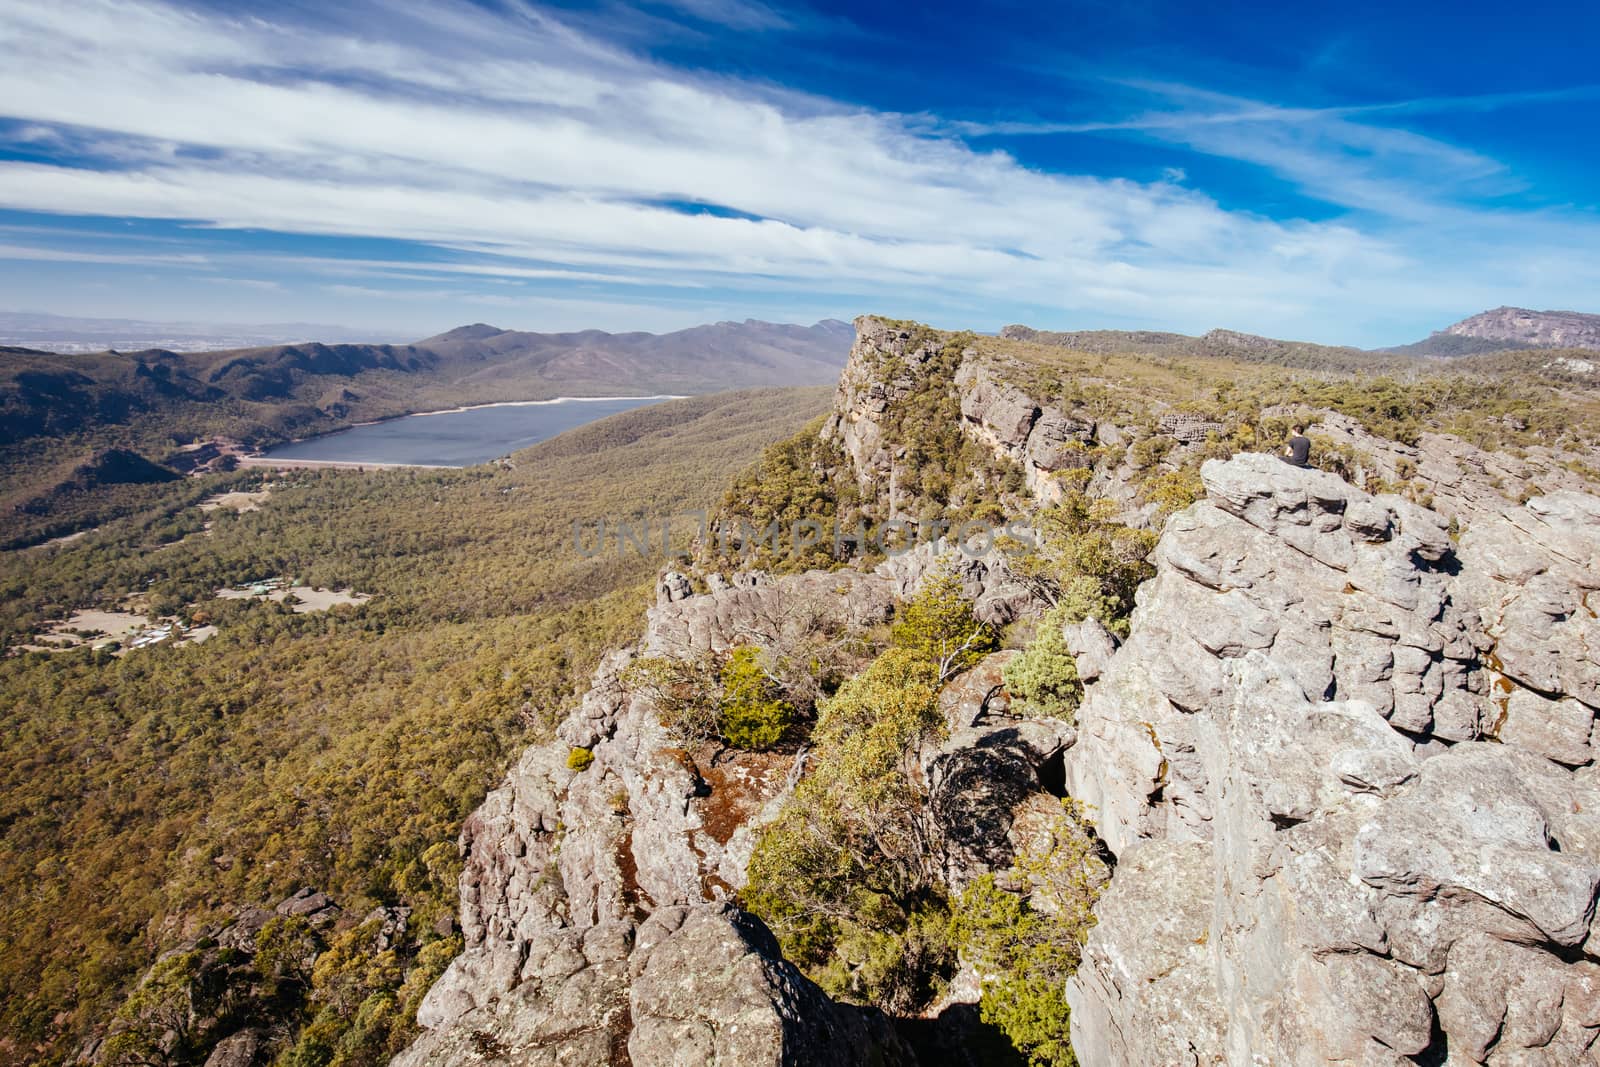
(1354, 173)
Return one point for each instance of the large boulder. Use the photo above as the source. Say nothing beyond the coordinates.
(991, 776)
(701, 984)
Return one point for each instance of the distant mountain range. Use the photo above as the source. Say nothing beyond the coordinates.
(1502, 330)
(723, 355)
(274, 391)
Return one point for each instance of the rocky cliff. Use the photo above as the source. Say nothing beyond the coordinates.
(1521, 328)
(596, 903)
(1344, 762)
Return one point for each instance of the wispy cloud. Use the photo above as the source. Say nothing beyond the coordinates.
(734, 14)
(535, 153)
(1346, 155)
(67, 255)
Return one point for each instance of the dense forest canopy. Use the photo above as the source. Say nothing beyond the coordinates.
(146, 796)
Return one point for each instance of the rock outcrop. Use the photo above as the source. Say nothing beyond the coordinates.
(1521, 328)
(594, 902)
(1345, 766)
(1345, 763)
(1457, 479)
(883, 368)
(888, 363)
(992, 779)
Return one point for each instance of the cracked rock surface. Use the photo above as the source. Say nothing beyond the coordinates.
(1345, 765)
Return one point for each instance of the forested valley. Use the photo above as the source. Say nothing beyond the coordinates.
(151, 794)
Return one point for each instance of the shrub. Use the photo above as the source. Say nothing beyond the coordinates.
(1149, 451)
(1026, 947)
(1171, 492)
(848, 866)
(684, 693)
(938, 627)
(752, 714)
(579, 759)
(1045, 675)
(1087, 561)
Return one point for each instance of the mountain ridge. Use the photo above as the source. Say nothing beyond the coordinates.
(1259, 702)
(50, 394)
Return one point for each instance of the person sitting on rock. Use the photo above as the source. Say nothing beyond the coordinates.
(1297, 452)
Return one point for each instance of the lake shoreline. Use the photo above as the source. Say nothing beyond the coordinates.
(273, 458)
(525, 404)
(290, 463)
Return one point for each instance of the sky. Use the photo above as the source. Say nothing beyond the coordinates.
(1360, 173)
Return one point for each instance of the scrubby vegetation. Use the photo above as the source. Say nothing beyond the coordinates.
(845, 876)
(734, 699)
(848, 874)
(1045, 676)
(146, 797)
(802, 479)
(939, 473)
(1025, 942)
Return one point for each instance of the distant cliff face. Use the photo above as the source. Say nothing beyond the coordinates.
(1508, 328)
(1519, 327)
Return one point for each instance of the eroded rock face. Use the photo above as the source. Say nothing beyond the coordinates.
(886, 365)
(1349, 785)
(691, 984)
(1042, 438)
(594, 903)
(998, 596)
(866, 393)
(1519, 326)
(1460, 480)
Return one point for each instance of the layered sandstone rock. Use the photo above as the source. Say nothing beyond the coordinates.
(596, 904)
(1344, 764)
(1518, 327)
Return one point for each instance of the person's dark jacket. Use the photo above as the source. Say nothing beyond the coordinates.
(1299, 452)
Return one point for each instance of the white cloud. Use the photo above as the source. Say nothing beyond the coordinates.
(552, 157)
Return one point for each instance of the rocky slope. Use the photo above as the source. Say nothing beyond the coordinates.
(1519, 327)
(1215, 344)
(1344, 761)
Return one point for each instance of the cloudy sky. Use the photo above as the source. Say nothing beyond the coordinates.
(1350, 173)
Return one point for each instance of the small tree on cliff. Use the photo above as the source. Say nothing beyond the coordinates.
(938, 627)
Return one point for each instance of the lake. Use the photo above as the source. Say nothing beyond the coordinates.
(459, 438)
